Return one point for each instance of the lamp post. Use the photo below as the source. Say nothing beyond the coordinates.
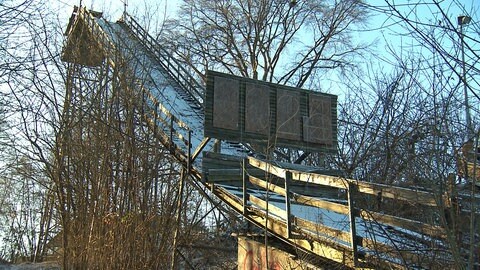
(463, 20)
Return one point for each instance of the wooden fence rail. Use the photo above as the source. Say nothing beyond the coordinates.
(261, 176)
(351, 240)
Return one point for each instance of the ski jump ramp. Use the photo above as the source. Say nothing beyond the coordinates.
(314, 212)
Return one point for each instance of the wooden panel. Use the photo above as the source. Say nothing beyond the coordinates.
(397, 193)
(288, 115)
(82, 48)
(317, 127)
(226, 102)
(272, 187)
(305, 200)
(318, 230)
(257, 108)
(335, 207)
(272, 209)
(408, 224)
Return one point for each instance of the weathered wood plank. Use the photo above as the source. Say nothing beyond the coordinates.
(272, 187)
(392, 192)
(330, 206)
(323, 232)
(305, 200)
(398, 193)
(336, 253)
(272, 209)
(413, 225)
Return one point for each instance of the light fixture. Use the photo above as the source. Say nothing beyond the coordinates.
(464, 19)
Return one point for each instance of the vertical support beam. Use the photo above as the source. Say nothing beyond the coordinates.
(288, 179)
(473, 251)
(244, 185)
(155, 117)
(189, 152)
(462, 20)
(183, 176)
(171, 135)
(352, 214)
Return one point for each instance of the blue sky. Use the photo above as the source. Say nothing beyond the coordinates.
(114, 8)
(382, 27)
(385, 33)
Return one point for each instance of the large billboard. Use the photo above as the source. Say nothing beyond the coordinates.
(252, 111)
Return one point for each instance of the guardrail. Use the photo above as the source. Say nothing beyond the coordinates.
(169, 63)
(175, 134)
(352, 187)
(348, 245)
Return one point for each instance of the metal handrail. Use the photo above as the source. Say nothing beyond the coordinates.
(174, 68)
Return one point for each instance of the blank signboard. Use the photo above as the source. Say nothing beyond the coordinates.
(317, 126)
(257, 108)
(225, 103)
(246, 110)
(288, 115)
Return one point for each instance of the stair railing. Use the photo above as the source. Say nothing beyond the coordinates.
(175, 134)
(173, 67)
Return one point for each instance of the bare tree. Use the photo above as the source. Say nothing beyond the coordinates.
(442, 40)
(449, 32)
(116, 184)
(406, 127)
(273, 40)
(23, 71)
